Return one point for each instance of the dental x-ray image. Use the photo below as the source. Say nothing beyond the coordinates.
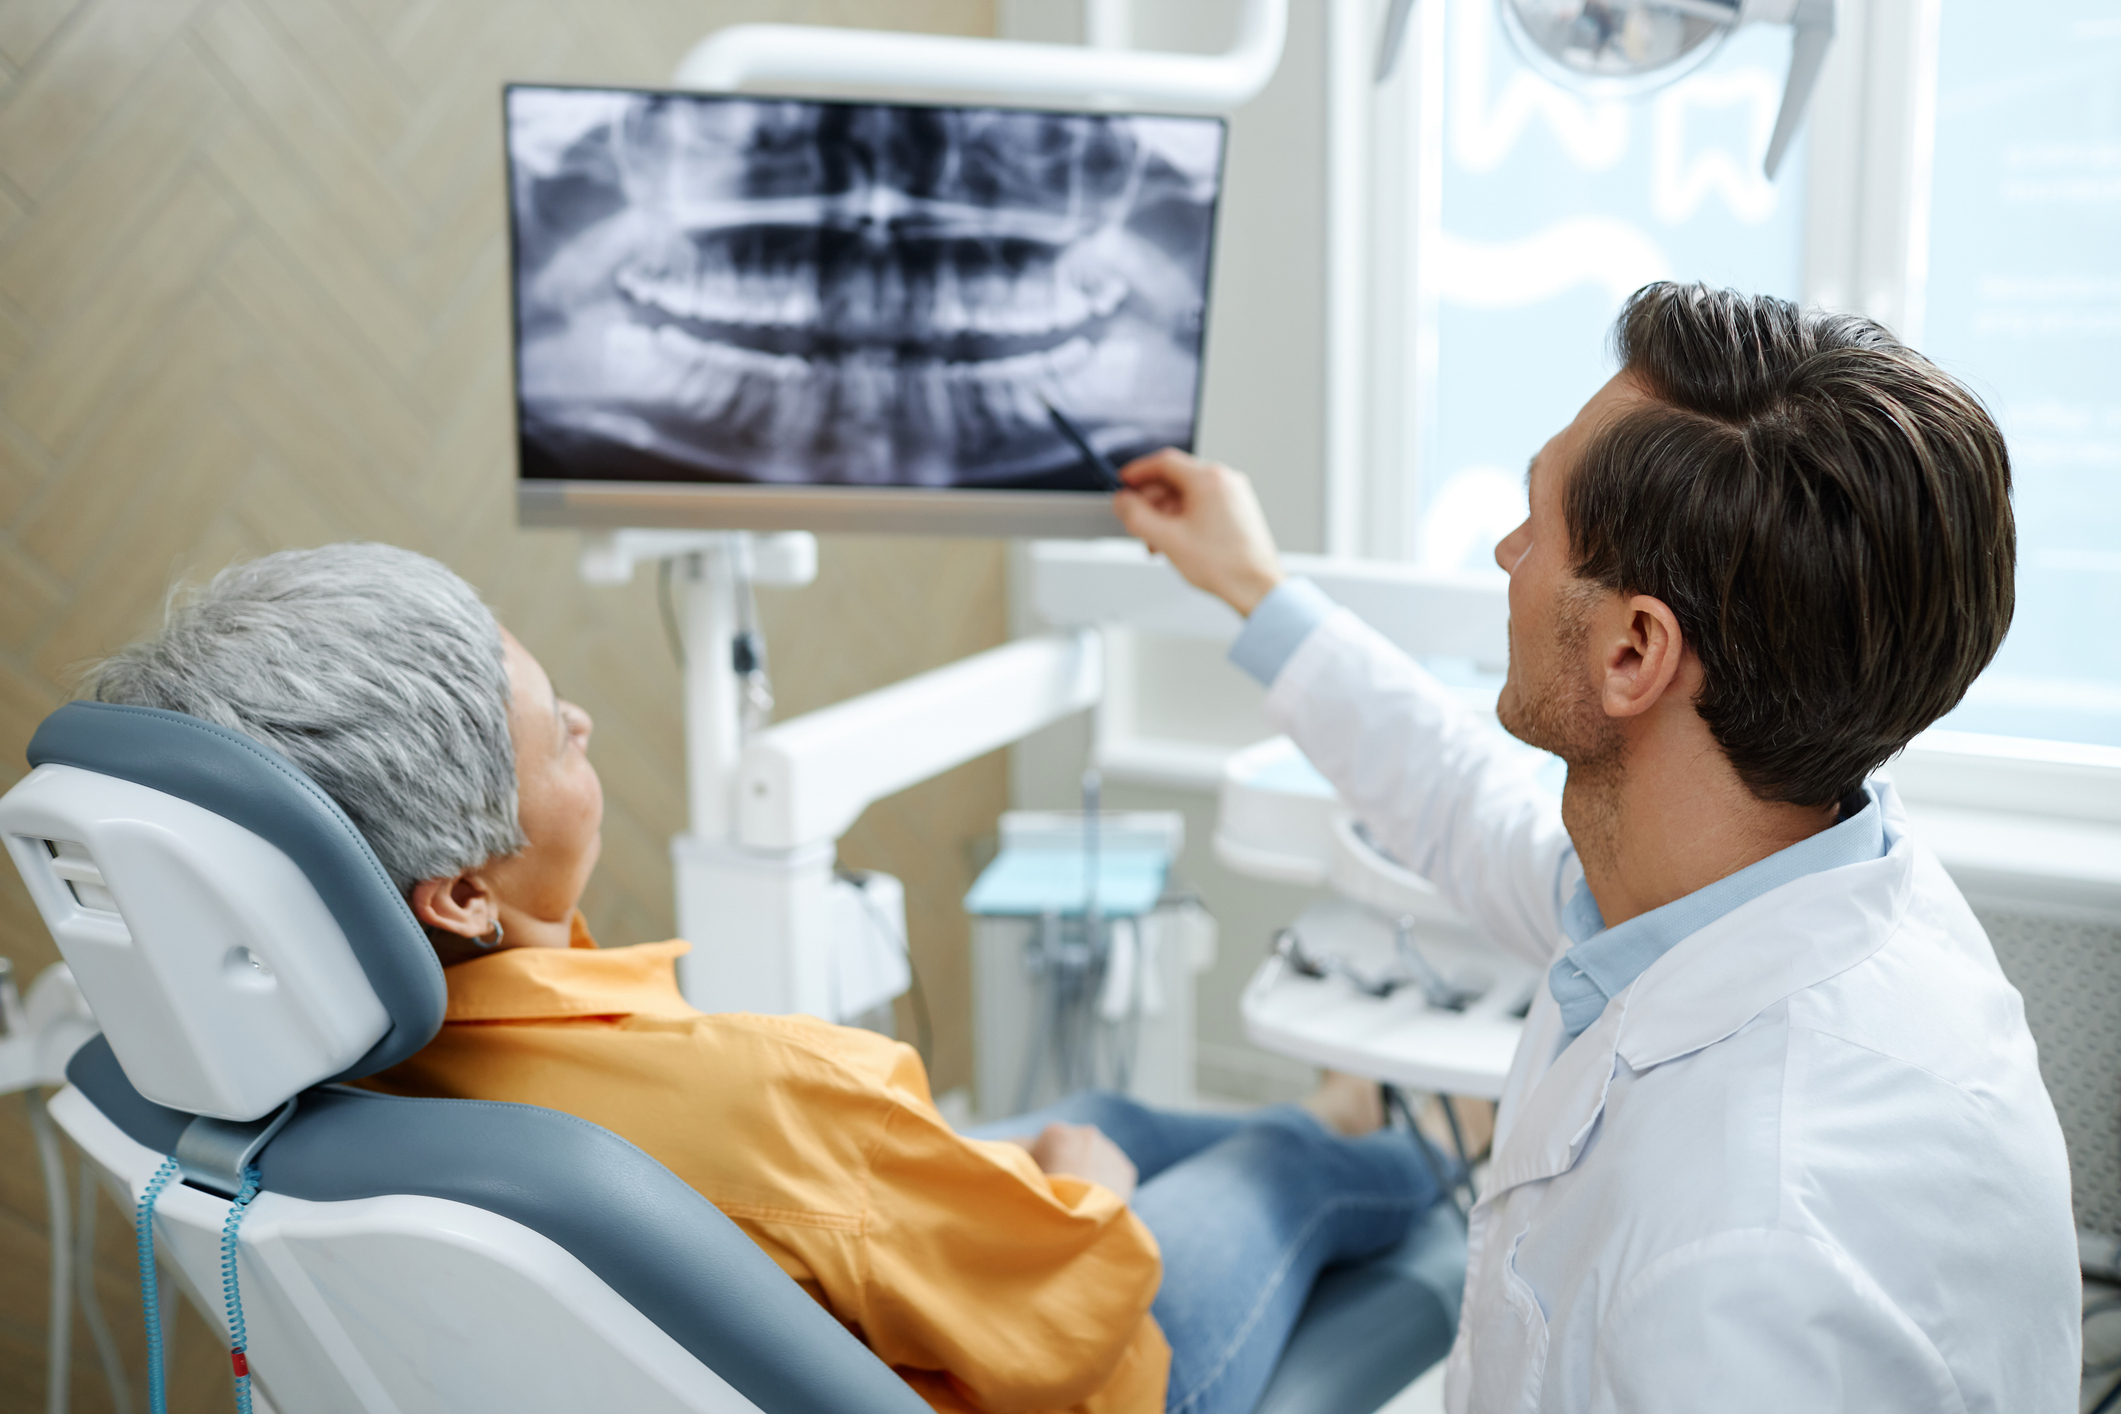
(749, 290)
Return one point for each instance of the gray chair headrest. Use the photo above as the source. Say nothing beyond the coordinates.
(256, 788)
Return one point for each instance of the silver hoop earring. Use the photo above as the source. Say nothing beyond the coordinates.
(488, 945)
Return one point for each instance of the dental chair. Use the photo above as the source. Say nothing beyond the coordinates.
(246, 955)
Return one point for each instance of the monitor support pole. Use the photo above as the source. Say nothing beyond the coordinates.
(774, 927)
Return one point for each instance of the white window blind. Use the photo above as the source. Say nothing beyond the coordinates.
(2023, 301)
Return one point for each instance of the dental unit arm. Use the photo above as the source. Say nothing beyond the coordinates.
(773, 927)
(1812, 24)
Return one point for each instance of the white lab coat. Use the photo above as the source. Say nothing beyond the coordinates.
(1805, 1162)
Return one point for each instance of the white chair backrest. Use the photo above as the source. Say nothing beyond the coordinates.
(408, 1305)
(222, 979)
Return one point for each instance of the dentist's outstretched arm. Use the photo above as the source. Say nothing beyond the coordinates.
(1204, 519)
(1422, 771)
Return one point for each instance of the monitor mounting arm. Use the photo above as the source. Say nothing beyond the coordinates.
(731, 58)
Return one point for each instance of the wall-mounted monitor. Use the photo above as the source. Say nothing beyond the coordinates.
(760, 313)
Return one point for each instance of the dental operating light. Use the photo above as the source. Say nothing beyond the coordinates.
(1623, 48)
(1618, 49)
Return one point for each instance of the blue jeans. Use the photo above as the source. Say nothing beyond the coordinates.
(1248, 1209)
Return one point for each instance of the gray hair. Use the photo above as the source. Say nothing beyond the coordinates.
(375, 670)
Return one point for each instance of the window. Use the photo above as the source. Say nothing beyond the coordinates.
(1968, 193)
(2023, 302)
(1552, 210)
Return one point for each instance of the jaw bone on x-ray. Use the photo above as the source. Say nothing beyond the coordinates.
(759, 290)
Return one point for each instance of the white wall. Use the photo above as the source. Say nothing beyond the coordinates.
(1264, 408)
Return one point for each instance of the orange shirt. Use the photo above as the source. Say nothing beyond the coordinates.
(986, 1284)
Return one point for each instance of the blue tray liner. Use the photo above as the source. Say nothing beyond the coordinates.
(1031, 882)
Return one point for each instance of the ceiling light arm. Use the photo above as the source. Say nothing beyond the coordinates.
(730, 59)
(1393, 39)
(1812, 32)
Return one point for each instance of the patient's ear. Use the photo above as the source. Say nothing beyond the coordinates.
(458, 914)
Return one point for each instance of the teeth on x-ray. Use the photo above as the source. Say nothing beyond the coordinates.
(762, 290)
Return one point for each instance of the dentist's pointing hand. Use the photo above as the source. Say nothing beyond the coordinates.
(1204, 519)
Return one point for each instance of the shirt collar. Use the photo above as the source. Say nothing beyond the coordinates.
(1708, 986)
(579, 980)
(1604, 961)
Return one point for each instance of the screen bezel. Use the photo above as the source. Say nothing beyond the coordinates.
(560, 503)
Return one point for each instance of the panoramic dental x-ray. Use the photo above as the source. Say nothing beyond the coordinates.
(772, 291)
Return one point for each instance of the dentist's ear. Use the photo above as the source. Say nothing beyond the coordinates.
(1642, 655)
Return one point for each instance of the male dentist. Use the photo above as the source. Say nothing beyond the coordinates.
(1775, 1138)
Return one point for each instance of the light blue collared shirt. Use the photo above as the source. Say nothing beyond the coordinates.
(1602, 961)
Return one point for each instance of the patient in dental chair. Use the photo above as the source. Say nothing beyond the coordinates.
(1101, 1257)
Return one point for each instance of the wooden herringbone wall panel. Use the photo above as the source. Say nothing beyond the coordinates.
(252, 296)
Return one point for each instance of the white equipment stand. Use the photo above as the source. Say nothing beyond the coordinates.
(39, 1034)
(1139, 1035)
(773, 927)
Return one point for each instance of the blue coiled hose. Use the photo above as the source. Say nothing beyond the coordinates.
(231, 1288)
(150, 1298)
(232, 1291)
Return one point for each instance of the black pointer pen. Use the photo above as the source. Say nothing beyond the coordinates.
(1100, 465)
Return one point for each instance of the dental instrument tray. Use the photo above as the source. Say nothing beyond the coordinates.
(780, 314)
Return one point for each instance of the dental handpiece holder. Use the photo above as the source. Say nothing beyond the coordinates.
(1084, 956)
(1383, 979)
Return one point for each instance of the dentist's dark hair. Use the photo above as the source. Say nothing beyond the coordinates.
(1827, 514)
